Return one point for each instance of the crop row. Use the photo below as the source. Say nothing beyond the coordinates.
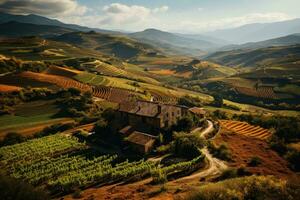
(246, 129)
(61, 81)
(163, 98)
(112, 94)
(261, 92)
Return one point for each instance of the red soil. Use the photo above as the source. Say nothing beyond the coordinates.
(8, 88)
(244, 148)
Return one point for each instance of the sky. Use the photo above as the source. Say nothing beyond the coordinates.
(185, 16)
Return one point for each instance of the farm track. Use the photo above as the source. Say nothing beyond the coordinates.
(214, 166)
(246, 129)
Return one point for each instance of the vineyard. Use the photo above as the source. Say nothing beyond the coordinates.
(62, 71)
(109, 93)
(163, 98)
(246, 129)
(61, 81)
(260, 92)
(62, 164)
(112, 94)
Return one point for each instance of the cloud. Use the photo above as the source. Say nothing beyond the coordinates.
(161, 9)
(200, 9)
(43, 7)
(233, 21)
(120, 14)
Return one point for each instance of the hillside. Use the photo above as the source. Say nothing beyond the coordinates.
(281, 41)
(118, 46)
(281, 56)
(169, 40)
(17, 29)
(258, 31)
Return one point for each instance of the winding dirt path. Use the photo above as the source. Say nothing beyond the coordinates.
(214, 167)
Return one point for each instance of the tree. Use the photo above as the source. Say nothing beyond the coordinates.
(218, 101)
(12, 138)
(184, 124)
(18, 190)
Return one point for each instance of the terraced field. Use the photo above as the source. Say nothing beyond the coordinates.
(112, 94)
(61, 81)
(163, 98)
(62, 71)
(8, 88)
(246, 129)
(261, 92)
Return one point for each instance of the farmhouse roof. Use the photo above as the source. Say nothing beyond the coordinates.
(145, 108)
(197, 111)
(140, 138)
(126, 130)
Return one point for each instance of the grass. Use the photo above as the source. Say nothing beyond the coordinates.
(29, 114)
(12, 121)
(290, 89)
(36, 108)
(253, 187)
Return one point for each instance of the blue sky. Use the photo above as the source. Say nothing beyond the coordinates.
(191, 16)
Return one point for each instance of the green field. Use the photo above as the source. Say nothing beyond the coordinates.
(30, 114)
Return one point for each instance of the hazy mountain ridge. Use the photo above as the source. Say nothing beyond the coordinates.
(162, 38)
(258, 32)
(40, 20)
(281, 41)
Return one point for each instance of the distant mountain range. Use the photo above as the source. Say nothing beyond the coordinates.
(258, 32)
(252, 36)
(178, 40)
(281, 41)
(40, 20)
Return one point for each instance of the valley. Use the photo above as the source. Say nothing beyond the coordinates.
(88, 113)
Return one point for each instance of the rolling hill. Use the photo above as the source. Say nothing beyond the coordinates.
(258, 31)
(119, 46)
(173, 42)
(17, 29)
(280, 56)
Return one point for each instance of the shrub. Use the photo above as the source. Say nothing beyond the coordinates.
(12, 138)
(186, 145)
(254, 161)
(189, 101)
(221, 152)
(18, 190)
(248, 188)
(293, 156)
(159, 176)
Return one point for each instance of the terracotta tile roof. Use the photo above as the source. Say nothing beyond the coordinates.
(128, 106)
(126, 130)
(197, 110)
(140, 138)
(145, 108)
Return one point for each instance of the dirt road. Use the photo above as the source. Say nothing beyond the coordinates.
(214, 167)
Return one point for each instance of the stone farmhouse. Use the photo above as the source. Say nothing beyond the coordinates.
(145, 120)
